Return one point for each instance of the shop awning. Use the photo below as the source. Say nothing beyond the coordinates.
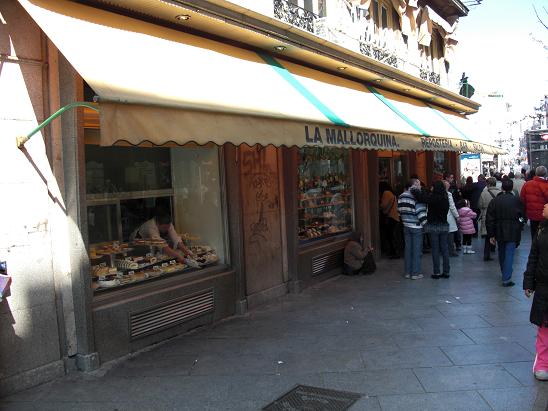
(161, 86)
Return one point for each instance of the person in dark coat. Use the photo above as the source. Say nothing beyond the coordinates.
(436, 225)
(505, 217)
(535, 280)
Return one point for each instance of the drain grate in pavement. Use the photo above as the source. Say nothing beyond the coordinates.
(303, 397)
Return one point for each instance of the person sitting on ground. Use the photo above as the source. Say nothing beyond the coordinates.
(466, 225)
(355, 256)
(535, 280)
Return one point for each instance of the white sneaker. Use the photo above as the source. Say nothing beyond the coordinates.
(470, 251)
(541, 375)
(408, 276)
(417, 277)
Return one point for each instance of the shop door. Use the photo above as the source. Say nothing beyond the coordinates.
(263, 247)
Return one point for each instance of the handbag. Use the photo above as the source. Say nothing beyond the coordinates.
(369, 266)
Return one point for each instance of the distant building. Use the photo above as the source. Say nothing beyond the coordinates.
(537, 147)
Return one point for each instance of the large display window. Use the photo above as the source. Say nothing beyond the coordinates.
(325, 193)
(152, 212)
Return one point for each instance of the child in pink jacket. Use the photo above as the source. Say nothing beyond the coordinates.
(466, 225)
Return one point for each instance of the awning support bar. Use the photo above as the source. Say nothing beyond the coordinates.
(21, 140)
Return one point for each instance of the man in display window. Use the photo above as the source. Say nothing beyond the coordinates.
(160, 227)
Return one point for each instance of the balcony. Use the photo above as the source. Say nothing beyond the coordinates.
(295, 15)
(358, 35)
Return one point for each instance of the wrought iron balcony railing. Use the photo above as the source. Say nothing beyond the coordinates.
(380, 54)
(295, 15)
(430, 76)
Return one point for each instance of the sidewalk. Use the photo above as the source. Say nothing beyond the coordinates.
(463, 343)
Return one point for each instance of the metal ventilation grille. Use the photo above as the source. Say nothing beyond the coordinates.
(327, 262)
(169, 314)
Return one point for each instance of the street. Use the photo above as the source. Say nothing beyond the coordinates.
(463, 343)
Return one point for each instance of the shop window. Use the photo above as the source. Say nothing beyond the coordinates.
(128, 186)
(439, 165)
(325, 193)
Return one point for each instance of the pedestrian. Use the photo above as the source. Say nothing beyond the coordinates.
(518, 183)
(466, 225)
(487, 195)
(498, 177)
(535, 280)
(534, 195)
(436, 225)
(472, 192)
(505, 217)
(452, 216)
(413, 217)
(390, 220)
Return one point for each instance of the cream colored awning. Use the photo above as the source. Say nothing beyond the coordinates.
(162, 86)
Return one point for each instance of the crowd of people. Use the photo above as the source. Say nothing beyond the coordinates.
(447, 217)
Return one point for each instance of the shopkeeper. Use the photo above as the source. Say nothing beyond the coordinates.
(161, 226)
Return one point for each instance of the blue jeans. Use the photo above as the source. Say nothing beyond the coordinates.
(439, 244)
(413, 250)
(506, 259)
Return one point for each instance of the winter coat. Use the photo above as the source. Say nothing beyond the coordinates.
(389, 205)
(534, 195)
(503, 218)
(452, 214)
(466, 220)
(518, 185)
(536, 276)
(486, 197)
(438, 207)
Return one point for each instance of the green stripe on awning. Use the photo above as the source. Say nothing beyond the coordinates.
(448, 122)
(297, 85)
(396, 110)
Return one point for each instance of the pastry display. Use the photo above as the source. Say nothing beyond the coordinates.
(325, 198)
(133, 266)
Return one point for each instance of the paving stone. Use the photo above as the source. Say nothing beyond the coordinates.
(454, 322)
(487, 353)
(433, 338)
(507, 318)
(510, 399)
(404, 357)
(154, 367)
(522, 371)
(514, 333)
(454, 401)
(374, 383)
(337, 361)
(461, 378)
(457, 309)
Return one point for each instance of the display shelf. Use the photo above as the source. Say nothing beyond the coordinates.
(325, 205)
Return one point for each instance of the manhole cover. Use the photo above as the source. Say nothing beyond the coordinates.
(303, 398)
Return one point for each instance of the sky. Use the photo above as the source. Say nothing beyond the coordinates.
(498, 53)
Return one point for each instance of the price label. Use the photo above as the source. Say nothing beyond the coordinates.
(131, 272)
(165, 264)
(173, 262)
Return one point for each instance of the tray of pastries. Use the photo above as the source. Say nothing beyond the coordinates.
(114, 247)
(150, 242)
